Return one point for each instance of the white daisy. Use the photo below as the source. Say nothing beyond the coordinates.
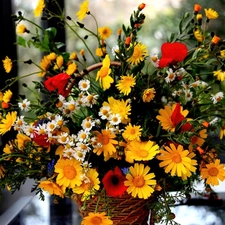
(217, 97)
(24, 105)
(114, 119)
(87, 124)
(83, 136)
(188, 95)
(19, 123)
(104, 112)
(154, 59)
(170, 76)
(84, 85)
(63, 138)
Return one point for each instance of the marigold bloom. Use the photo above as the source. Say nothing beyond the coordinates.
(44, 64)
(59, 62)
(120, 107)
(113, 182)
(69, 172)
(22, 139)
(132, 133)
(96, 218)
(100, 52)
(141, 151)
(139, 181)
(7, 63)
(7, 96)
(103, 74)
(175, 160)
(148, 94)
(39, 8)
(107, 142)
(71, 69)
(89, 185)
(84, 10)
(213, 172)
(198, 35)
(219, 74)
(51, 187)
(211, 14)
(125, 84)
(8, 122)
(104, 32)
(138, 55)
(169, 122)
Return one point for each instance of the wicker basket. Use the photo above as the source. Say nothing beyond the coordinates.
(125, 210)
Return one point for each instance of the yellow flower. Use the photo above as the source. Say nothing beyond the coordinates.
(107, 143)
(222, 53)
(175, 160)
(222, 132)
(7, 63)
(140, 181)
(71, 68)
(22, 139)
(139, 54)
(192, 168)
(125, 84)
(8, 122)
(165, 117)
(59, 62)
(120, 107)
(21, 29)
(89, 185)
(132, 133)
(69, 172)
(211, 14)
(44, 64)
(100, 52)
(7, 96)
(51, 56)
(96, 219)
(39, 8)
(73, 56)
(84, 10)
(198, 35)
(8, 149)
(148, 94)
(219, 74)
(2, 171)
(137, 150)
(104, 32)
(103, 74)
(51, 187)
(213, 172)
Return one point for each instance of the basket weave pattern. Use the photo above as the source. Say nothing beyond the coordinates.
(125, 210)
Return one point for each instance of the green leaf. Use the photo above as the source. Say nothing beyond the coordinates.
(21, 41)
(51, 32)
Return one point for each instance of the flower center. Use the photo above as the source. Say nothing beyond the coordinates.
(69, 172)
(104, 139)
(213, 171)
(104, 72)
(176, 158)
(138, 181)
(115, 180)
(143, 153)
(96, 220)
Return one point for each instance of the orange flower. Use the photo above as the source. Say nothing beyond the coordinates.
(215, 39)
(197, 8)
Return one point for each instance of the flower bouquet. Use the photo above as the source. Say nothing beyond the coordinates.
(118, 129)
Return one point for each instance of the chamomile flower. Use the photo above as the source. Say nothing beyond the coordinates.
(24, 105)
(91, 99)
(87, 124)
(83, 135)
(154, 59)
(63, 138)
(188, 94)
(114, 119)
(19, 123)
(84, 85)
(217, 97)
(170, 76)
(104, 112)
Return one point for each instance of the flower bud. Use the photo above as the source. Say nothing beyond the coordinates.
(141, 6)
(215, 39)
(197, 8)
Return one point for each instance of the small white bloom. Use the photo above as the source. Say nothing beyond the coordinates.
(87, 124)
(214, 121)
(154, 59)
(24, 105)
(104, 112)
(217, 97)
(188, 95)
(170, 76)
(84, 85)
(114, 119)
(115, 49)
(83, 135)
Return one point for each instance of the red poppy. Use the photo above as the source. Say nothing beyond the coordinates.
(41, 139)
(177, 118)
(59, 83)
(113, 182)
(172, 53)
